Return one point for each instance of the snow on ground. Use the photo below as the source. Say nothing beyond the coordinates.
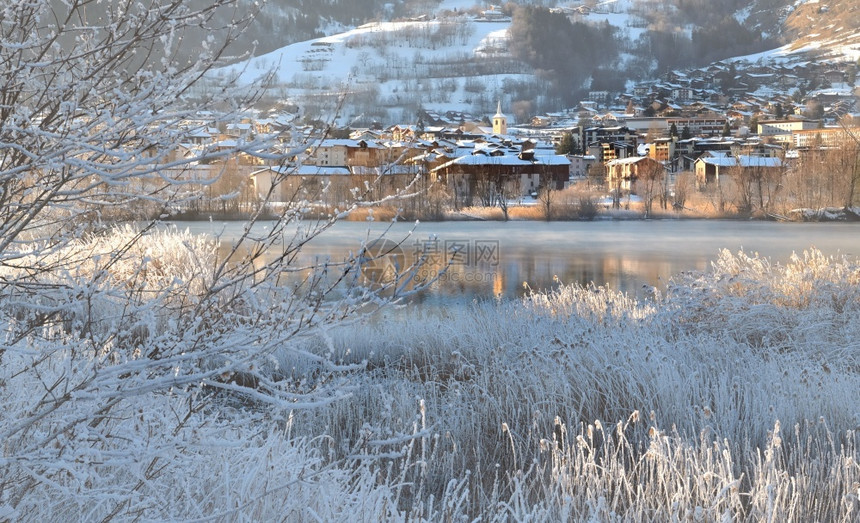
(459, 5)
(743, 14)
(340, 55)
(617, 13)
(785, 53)
(332, 60)
(493, 40)
(394, 65)
(397, 67)
(851, 51)
(793, 52)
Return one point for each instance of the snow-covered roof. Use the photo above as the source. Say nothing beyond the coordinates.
(393, 169)
(552, 159)
(505, 160)
(627, 161)
(346, 142)
(199, 133)
(314, 170)
(742, 160)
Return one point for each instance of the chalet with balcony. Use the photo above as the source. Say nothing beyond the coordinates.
(662, 149)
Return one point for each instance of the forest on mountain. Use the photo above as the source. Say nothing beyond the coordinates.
(273, 24)
(283, 22)
(717, 29)
(677, 33)
(561, 51)
(575, 55)
(717, 40)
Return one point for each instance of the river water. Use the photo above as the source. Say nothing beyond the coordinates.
(501, 259)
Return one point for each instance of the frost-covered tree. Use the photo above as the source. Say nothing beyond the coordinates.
(124, 347)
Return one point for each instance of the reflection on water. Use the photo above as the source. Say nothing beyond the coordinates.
(494, 259)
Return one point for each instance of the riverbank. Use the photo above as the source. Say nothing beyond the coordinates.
(535, 211)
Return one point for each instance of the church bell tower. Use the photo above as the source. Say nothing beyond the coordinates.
(500, 122)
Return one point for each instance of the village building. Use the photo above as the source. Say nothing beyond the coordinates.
(500, 122)
(580, 165)
(781, 130)
(608, 151)
(644, 124)
(501, 170)
(829, 137)
(662, 149)
(610, 134)
(699, 126)
(713, 169)
(621, 175)
(344, 153)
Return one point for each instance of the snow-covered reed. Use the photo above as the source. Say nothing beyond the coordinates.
(731, 396)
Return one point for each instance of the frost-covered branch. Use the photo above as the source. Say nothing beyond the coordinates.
(124, 345)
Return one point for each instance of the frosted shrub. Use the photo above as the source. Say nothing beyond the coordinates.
(807, 304)
(581, 403)
(117, 288)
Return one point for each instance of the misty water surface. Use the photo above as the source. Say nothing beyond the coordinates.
(497, 259)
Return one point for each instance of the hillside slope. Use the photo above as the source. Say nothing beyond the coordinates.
(830, 26)
(457, 55)
(390, 70)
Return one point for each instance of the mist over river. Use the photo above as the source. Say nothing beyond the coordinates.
(499, 259)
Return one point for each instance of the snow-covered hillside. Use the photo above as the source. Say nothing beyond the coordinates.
(455, 57)
(455, 63)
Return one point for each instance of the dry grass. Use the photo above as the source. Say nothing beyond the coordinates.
(527, 212)
(376, 213)
(476, 213)
(575, 203)
(517, 212)
(703, 205)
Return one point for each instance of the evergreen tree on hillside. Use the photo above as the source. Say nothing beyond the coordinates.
(567, 145)
(561, 51)
(779, 112)
(724, 39)
(754, 124)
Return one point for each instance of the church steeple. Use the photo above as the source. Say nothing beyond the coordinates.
(500, 121)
